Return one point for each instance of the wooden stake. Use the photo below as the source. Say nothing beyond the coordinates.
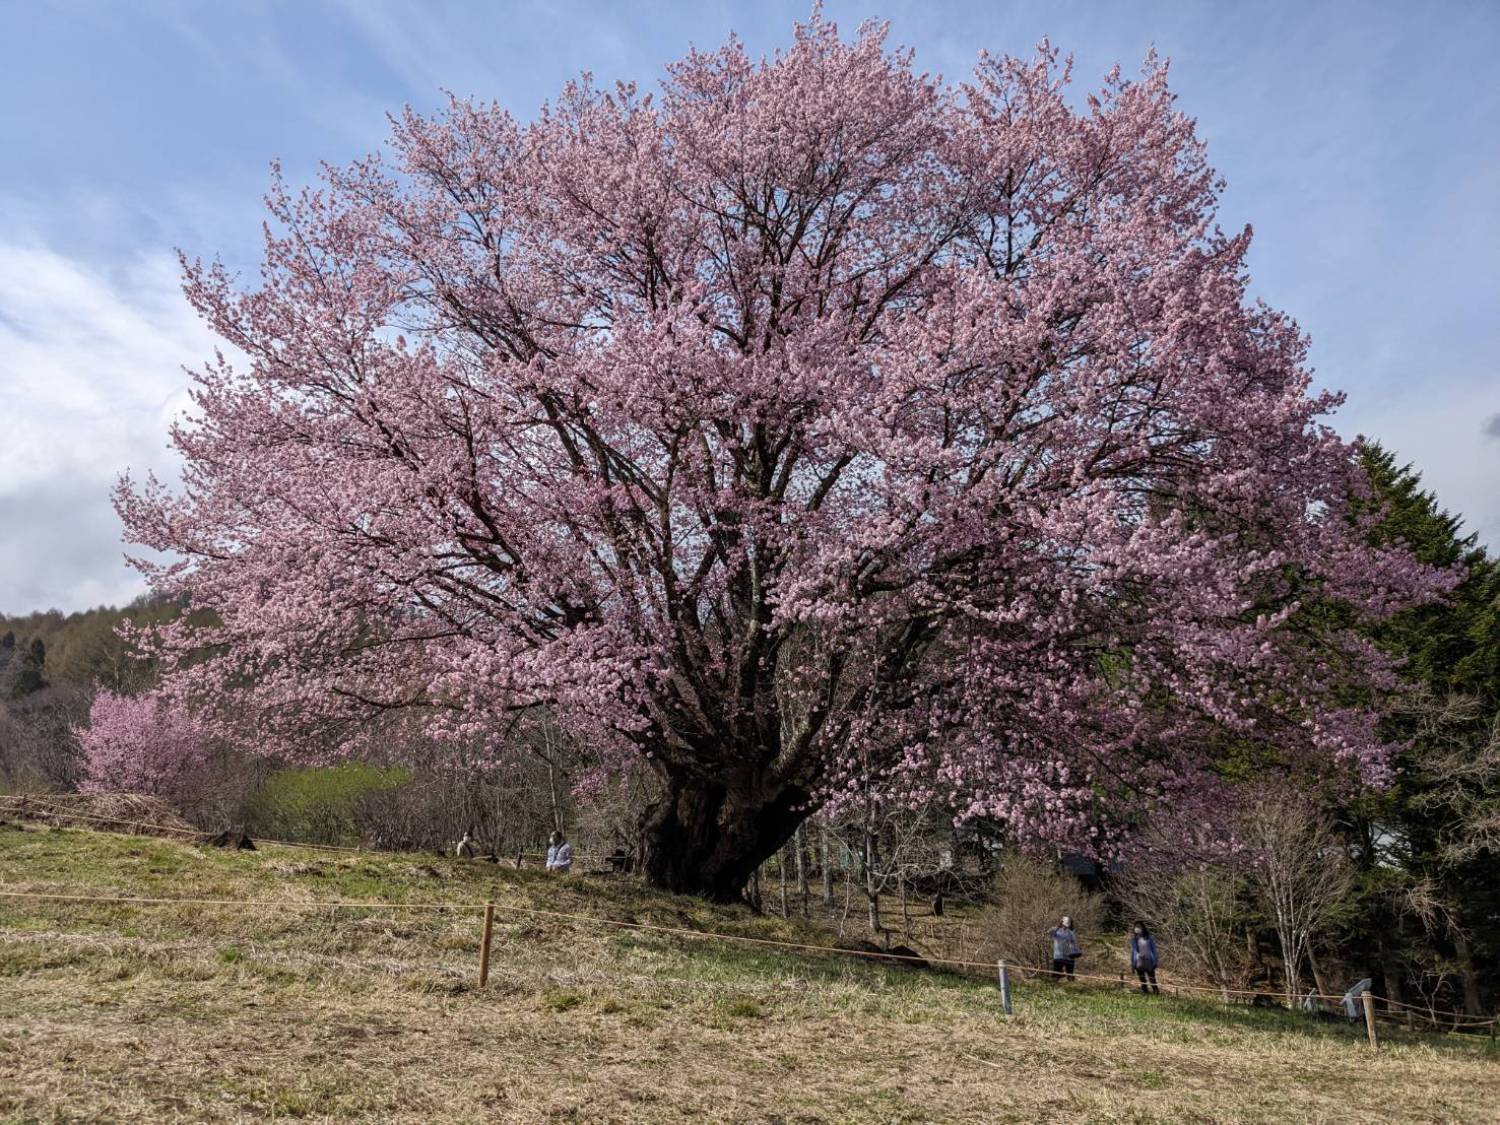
(1369, 999)
(484, 945)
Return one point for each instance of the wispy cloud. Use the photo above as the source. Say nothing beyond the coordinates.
(525, 48)
(91, 374)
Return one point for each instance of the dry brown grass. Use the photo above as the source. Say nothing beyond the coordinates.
(125, 1013)
(134, 813)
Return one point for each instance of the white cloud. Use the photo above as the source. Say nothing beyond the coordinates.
(91, 374)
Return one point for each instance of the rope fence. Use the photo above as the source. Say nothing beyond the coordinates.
(276, 904)
(777, 985)
(490, 909)
(40, 805)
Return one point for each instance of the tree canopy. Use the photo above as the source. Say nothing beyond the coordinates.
(805, 422)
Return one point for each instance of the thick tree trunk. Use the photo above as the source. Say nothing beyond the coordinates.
(1390, 973)
(707, 836)
(1466, 975)
(1317, 973)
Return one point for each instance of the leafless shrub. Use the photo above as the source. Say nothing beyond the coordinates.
(1030, 896)
(507, 810)
(610, 817)
(1197, 913)
(38, 751)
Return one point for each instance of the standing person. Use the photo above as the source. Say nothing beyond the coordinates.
(1065, 951)
(559, 854)
(1143, 958)
(1354, 999)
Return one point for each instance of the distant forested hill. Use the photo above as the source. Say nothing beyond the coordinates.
(79, 649)
(51, 664)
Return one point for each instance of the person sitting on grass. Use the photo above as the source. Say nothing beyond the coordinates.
(1143, 958)
(1065, 951)
(559, 854)
(466, 847)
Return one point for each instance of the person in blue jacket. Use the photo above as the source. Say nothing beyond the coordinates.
(1143, 958)
(1065, 949)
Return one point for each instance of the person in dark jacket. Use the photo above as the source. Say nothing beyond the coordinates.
(1143, 958)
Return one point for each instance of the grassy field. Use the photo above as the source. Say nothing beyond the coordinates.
(246, 1012)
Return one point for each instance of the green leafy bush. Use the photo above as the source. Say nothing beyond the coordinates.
(318, 804)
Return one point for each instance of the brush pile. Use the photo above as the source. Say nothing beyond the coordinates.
(109, 812)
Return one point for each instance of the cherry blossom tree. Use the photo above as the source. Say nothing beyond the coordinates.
(808, 421)
(139, 744)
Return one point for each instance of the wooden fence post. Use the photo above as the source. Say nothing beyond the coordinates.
(1369, 999)
(1005, 988)
(484, 945)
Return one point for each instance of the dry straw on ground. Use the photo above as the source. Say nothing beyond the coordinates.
(127, 1013)
(128, 812)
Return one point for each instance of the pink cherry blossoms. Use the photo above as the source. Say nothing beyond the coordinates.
(139, 744)
(804, 426)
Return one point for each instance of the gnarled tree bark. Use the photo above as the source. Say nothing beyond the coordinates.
(707, 835)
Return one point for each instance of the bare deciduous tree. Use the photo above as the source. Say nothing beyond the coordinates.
(38, 750)
(1300, 870)
(1460, 774)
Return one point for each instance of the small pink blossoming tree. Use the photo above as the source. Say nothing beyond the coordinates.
(139, 744)
(807, 424)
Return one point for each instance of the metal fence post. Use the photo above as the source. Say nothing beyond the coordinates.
(1005, 988)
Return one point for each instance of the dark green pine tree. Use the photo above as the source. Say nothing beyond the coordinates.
(28, 671)
(1430, 902)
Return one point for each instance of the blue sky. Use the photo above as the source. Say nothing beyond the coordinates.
(1362, 140)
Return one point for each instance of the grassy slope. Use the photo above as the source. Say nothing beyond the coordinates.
(209, 1013)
